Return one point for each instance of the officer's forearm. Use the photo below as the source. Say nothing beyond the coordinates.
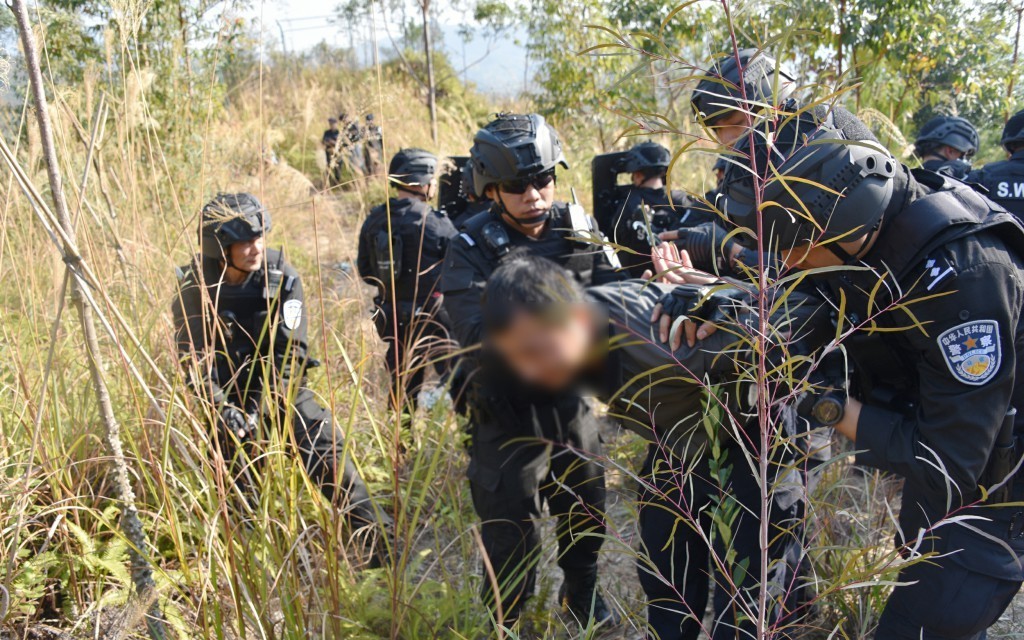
(848, 425)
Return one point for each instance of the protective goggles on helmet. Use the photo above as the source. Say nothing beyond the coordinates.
(519, 187)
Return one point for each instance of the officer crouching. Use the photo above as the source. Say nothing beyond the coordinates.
(932, 300)
(241, 328)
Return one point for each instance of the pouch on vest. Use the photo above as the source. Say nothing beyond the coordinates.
(387, 255)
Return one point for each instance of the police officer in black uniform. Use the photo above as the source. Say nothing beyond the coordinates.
(329, 141)
(1005, 180)
(241, 323)
(728, 102)
(935, 394)
(524, 439)
(648, 209)
(946, 145)
(732, 95)
(401, 247)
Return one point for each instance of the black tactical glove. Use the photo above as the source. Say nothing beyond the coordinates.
(705, 244)
(238, 423)
(698, 302)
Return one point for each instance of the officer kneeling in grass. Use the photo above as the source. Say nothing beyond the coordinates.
(556, 336)
(241, 323)
(932, 301)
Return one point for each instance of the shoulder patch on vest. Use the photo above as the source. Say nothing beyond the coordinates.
(972, 351)
(291, 314)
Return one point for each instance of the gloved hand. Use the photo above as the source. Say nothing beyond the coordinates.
(697, 302)
(240, 424)
(705, 244)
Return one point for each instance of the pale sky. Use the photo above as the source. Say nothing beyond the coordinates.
(305, 23)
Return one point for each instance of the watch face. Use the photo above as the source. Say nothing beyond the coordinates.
(827, 411)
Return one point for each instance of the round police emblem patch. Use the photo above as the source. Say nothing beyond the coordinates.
(291, 313)
(972, 351)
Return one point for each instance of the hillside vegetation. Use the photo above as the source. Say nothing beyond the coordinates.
(144, 139)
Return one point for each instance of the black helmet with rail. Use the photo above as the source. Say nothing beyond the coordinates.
(814, 186)
(514, 147)
(646, 156)
(1013, 132)
(748, 80)
(412, 167)
(950, 131)
(231, 218)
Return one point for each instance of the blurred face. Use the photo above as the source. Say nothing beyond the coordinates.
(547, 353)
(247, 256)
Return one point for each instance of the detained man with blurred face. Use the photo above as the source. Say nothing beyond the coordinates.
(555, 336)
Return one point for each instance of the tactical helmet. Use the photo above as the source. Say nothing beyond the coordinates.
(514, 146)
(744, 81)
(1013, 132)
(646, 155)
(949, 131)
(412, 167)
(815, 185)
(231, 218)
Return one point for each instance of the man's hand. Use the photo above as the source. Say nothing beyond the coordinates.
(673, 266)
(686, 310)
(705, 244)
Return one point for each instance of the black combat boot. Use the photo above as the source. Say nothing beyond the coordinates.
(580, 597)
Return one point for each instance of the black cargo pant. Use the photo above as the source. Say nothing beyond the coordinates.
(512, 473)
(321, 447)
(685, 511)
(962, 591)
(415, 341)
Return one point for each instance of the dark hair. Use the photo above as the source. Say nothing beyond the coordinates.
(530, 284)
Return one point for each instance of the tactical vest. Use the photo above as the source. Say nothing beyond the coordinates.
(242, 310)
(487, 231)
(950, 212)
(396, 250)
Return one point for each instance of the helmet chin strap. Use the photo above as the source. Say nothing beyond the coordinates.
(845, 256)
(504, 212)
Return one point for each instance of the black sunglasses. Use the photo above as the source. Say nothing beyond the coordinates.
(519, 187)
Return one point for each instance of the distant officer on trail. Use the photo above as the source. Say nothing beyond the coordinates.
(401, 247)
(330, 141)
(1005, 180)
(946, 145)
(240, 321)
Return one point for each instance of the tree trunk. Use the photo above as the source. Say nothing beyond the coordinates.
(142, 573)
(428, 51)
(1016, 55)
(839, 41)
